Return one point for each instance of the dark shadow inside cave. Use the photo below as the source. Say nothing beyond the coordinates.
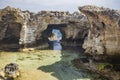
(67, 43)
(10, 42)
(48, 33)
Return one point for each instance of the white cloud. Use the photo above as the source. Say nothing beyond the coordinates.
(71, 5)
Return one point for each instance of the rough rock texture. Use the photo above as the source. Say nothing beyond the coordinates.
(73, 27)
(10, 26)
(25, 29)
(76, 29)
(10, 72)
(105, 70)
(104, 35)
(27, 35)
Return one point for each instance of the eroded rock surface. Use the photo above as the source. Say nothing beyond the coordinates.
(21, 29)
(10, 72)
(71, 26)
(10, 26)
(104, 35)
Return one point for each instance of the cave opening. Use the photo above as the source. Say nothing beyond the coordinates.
(55, 39)
(10, 42)
(46, 34)
(66, 43)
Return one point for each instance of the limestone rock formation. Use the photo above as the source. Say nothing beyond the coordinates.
(11, 20)
(73, 26)
(104, 35)
(21, 29)
(76, 29)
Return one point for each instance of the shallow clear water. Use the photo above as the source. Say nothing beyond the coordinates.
(46, 65)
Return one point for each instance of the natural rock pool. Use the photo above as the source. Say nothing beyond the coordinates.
(47, 65)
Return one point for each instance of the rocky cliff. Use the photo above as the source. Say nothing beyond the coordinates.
(71, 26)
(96, 29)
(11, 20)
(24, 29)
(103, 36)
(99, 30)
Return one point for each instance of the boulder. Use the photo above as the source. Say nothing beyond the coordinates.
(11, 71)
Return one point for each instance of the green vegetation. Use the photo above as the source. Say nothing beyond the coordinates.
(46, 65)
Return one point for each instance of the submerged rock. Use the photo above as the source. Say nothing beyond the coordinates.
(103, 41)
(12, 70)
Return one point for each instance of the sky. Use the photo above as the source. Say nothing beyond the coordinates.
(58, 5)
